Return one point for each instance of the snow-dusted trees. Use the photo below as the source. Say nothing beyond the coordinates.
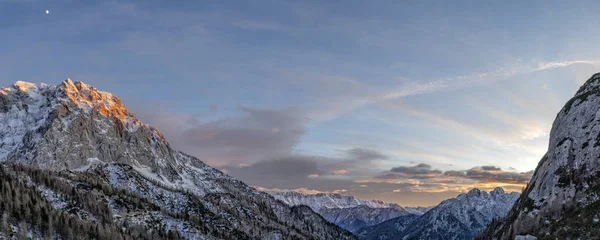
(24, 212)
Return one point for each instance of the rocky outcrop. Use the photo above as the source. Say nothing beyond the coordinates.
(562, 200)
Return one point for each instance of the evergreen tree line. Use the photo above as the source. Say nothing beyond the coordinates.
(23, 208)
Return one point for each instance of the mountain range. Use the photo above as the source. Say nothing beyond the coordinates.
(348, 212)
(75, 163)
(78, 164)
(456, 218)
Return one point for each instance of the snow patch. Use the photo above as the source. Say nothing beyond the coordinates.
(52, 197)
(525, 237)
(91, 162)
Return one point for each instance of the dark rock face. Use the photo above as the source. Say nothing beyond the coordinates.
(562, 199)
(76, 127)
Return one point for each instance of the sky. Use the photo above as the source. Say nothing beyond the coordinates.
(410, 102)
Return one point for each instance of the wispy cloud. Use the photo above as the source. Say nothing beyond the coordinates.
(518, 128)
(550, 65)
(357, 93)
(473, 79)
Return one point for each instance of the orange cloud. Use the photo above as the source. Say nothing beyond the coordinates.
(339, 172)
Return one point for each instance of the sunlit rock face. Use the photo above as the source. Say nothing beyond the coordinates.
(562, 199)
(63, 126)
(76, 127)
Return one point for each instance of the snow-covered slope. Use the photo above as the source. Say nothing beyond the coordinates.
(456, 218)
(329, 200)
(77, 127)
(348, 212)
(562, 199)
(418, 210)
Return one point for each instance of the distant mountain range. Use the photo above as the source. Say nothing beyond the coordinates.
(348, 212)
(456, 218)
(329, 200)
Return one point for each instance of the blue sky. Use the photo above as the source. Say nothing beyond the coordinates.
(338, 93)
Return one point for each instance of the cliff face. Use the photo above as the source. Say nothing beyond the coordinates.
(63, 126)
(562, 199)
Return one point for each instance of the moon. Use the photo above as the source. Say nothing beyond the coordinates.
(47, 12)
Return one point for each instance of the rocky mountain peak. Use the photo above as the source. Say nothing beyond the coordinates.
(24, 86)
(592, 82)
(64, 126)
(497, 192)
(89, 97)
(563, 195)
(475, 192)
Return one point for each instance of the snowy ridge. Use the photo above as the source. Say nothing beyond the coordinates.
(329, 200)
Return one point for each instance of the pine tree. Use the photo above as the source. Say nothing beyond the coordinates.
(4, 224)
(22, 234)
